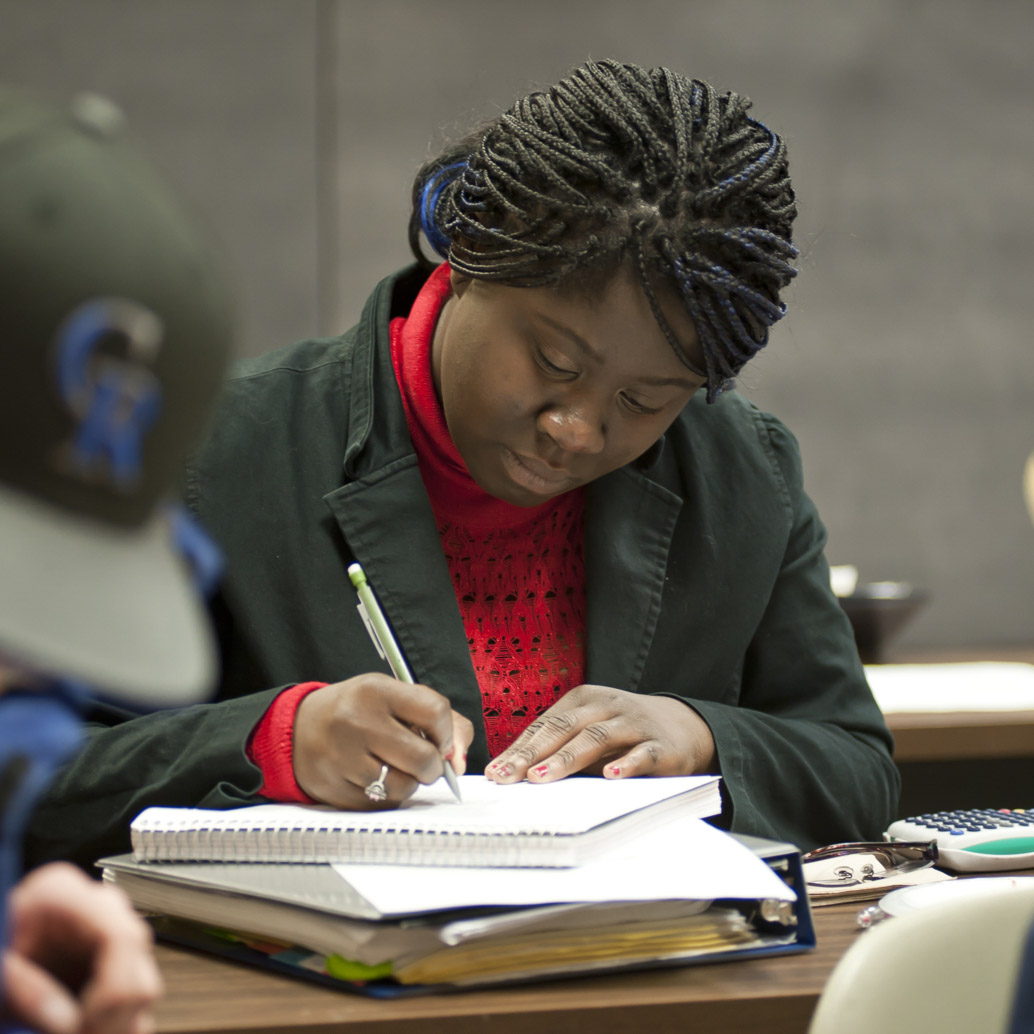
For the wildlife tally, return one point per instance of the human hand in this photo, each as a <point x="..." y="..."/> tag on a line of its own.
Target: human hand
<point x="345" y="731"/>
<point x="79" y="959"/>
<point x="622" y="734"/>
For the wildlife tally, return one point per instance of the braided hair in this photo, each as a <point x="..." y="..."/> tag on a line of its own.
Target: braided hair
<point x="620" y="164"/>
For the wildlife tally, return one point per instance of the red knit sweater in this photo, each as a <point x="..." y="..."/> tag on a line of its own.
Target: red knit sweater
<point x="518" y="572"/>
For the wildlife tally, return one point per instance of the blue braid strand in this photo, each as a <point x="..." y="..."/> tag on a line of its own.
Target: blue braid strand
<point x="429" y="202"/>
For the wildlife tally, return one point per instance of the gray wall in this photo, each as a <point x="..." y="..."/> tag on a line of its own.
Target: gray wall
<point x="905" y="366"/>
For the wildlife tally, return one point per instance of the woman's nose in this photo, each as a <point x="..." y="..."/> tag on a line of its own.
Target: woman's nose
<point x="573" y="428"/>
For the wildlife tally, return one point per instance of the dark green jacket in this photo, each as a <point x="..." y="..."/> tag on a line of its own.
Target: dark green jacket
<point x="705" y="580"/>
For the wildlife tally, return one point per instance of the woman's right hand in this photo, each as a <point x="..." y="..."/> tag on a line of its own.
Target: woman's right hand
<point x="345" y="731"/>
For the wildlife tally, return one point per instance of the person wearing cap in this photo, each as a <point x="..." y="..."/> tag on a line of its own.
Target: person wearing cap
<point x="114" y="334"/>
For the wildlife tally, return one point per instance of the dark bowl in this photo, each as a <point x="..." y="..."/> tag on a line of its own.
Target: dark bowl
<point x="878" y="612"/>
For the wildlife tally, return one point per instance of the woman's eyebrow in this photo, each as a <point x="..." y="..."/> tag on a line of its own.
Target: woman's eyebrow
<point x="678" y="382"/>
<point x="572" y="335"/>
<point x="584" y="346"/>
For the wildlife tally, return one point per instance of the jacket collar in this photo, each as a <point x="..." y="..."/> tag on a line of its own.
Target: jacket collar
<point x="369" y="379"/>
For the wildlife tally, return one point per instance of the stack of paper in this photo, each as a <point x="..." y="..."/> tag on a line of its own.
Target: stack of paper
<point x="672" y="889"/>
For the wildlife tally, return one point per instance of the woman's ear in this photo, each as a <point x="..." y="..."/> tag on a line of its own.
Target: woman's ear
<point x="459" y="282"/>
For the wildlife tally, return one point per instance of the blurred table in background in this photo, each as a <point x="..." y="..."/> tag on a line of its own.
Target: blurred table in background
<point x="964" y="759"/>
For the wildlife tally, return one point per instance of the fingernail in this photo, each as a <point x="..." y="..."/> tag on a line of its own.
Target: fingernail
<point x="615" y="771"/>
<point x="59" y="1014"/>
<point x="449" y="756"/>
<point x="503" y="771"/>
<point x="541" y="771"/>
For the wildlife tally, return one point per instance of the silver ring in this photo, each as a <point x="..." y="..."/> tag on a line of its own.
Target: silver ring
<point x="377" y="791"/>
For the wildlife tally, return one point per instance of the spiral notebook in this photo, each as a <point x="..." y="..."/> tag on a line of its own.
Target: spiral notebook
<point x="553" y="825"/>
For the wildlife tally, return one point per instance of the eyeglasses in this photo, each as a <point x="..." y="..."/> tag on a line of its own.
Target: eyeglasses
<point x="894" y="857"/>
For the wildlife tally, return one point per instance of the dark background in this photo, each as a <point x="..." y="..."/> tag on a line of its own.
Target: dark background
<point x="905" y="367"/>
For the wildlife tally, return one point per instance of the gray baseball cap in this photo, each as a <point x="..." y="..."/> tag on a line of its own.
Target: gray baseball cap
<point x="115" y="330"/>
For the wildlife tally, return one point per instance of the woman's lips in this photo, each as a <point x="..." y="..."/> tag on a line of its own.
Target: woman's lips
<point x="534" y="475"/>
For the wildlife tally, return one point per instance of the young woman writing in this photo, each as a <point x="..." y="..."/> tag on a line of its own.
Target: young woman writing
<point x="595" y="556"/>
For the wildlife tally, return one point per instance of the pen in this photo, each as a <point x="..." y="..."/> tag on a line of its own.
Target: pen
<point x="387" y="646"/>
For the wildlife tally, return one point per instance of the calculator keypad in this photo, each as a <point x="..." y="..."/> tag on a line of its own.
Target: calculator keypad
<point x="957" y="823"/>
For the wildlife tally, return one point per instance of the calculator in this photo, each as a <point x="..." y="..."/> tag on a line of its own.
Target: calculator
<point x="974" y="840"/>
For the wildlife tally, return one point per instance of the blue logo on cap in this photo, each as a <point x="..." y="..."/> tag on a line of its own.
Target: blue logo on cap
<point x="115" y="399"/>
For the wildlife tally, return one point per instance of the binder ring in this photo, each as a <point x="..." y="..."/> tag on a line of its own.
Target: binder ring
<point x="377" y="791"/>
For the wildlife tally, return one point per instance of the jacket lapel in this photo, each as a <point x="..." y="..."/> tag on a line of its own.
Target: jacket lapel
<point x="629" y="523"/>
<point x="390" y="528"/>
<point x="388" y="523"/>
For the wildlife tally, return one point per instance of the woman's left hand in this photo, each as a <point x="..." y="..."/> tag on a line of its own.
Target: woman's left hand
<point x="599" y="729"/>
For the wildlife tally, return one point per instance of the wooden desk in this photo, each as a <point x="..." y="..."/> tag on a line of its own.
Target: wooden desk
<point x="774" y="996"/>
<point x="770" y="996"/>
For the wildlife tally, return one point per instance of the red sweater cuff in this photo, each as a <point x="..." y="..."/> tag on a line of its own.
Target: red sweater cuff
<point x="271" y="746"/>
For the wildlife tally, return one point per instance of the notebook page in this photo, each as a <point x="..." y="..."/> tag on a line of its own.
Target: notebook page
<point x="569" y="806"/>
<point x="686" y="858"/>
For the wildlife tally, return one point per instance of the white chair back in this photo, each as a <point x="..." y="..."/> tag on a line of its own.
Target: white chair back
<point x="953" y="969"/>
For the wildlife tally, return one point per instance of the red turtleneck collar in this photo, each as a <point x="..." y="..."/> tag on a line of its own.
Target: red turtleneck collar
<point x="454" y="494"/>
